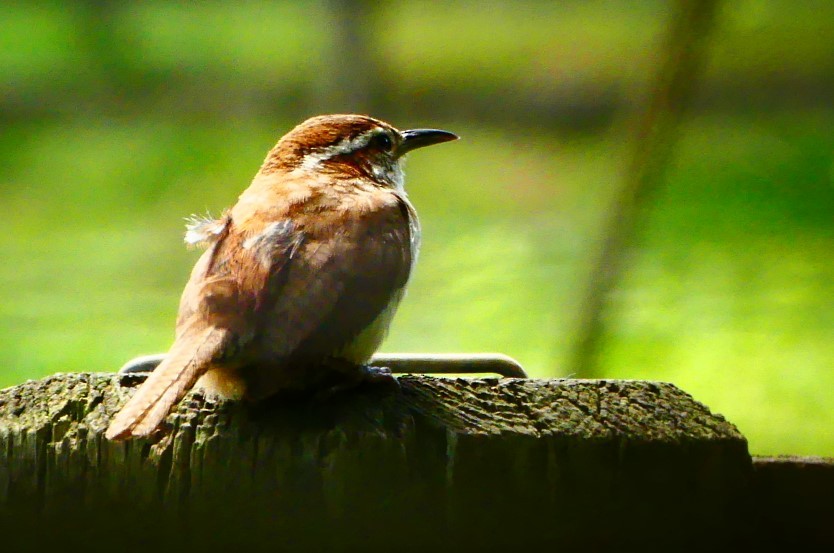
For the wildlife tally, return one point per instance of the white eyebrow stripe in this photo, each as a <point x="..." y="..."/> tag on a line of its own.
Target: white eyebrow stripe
<point x="314" y="159"/>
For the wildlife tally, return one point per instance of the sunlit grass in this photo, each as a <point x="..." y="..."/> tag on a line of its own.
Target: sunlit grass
<point x="731" y="296"/>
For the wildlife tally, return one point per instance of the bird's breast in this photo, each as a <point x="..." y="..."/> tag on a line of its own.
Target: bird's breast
<point x="364" y="345"/>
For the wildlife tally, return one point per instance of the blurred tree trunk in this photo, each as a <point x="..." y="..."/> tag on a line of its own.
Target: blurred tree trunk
<point x="107" y="68"/>
<point x="654" y="142"/>
<point x="351" y="83"/>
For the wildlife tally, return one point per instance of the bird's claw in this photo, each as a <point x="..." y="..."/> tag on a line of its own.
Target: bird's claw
<point x="379" y="375"/>
<point x="356" y="376"/>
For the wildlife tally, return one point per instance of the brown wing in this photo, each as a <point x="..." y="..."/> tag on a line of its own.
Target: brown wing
<point x="288" y="292"/>
<point x="228" y="282"/>
<point x="337" y="283"/>
<point x="214" y="324"/>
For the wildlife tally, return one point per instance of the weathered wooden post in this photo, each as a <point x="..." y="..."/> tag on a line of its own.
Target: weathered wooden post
<point x="442" y="464"/>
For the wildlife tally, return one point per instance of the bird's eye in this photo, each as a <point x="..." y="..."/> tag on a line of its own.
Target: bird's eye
<point x="383" y="141"/>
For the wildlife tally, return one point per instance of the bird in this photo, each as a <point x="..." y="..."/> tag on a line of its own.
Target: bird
<point x="300" y="279"/>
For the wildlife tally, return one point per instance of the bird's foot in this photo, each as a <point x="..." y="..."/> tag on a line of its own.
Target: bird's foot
<point x="351" y="376"/>
<point x="378" y="376"/>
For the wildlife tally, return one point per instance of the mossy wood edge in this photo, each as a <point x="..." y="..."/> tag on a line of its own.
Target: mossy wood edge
<point x="440" y="462"/>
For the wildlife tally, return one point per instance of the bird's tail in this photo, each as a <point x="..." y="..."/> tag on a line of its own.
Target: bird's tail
<point x="190" y="357"/>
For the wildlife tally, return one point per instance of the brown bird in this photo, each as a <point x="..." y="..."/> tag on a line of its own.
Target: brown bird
<point x="301" y="278"/>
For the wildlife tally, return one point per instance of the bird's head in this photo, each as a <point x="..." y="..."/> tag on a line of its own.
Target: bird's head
<point x="355" y="145"/>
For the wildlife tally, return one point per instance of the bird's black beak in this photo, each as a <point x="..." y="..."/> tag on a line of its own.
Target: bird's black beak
<point x="417" y="138"/>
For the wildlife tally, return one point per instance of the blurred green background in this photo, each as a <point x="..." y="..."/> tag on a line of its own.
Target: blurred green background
<point x="119" y="119"/>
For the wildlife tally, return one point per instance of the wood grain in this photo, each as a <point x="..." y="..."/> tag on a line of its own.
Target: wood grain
<point x="440" y="463"/>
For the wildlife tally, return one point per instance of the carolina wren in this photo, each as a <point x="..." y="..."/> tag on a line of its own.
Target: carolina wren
<point x="300" y="278"/>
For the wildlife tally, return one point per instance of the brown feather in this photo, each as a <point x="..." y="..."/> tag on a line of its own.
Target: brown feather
<point x="187" y="360"/>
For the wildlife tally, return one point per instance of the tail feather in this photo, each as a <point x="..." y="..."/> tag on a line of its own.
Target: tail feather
<point x="190" y="357"/>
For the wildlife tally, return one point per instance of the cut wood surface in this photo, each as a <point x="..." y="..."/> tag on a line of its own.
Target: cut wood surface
<point x="450" y="464"/>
